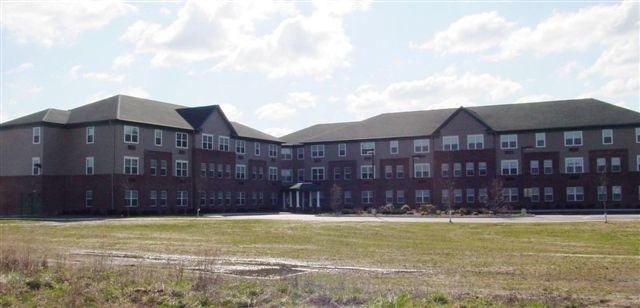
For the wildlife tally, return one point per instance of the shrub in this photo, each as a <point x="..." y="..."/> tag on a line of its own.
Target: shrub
<point x="405" y="209"/>
<point x="463" y="211"/>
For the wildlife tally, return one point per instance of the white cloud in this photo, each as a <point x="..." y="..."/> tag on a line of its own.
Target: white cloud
<point x="231" y="111"/>
<point x="533" y="98"/>
<point x="75" y="73"/>
<point x="278" y="131"/>
<point x="122" y="61"/>
<point x="136" y="91"/>
<point x="447" y="89"/>
<point x="275" y="111"/>
<point x="301" y="99"/>
<point x="58" y="23"/>
<point x="227" y="34"/>
<point x="20" y="68"/>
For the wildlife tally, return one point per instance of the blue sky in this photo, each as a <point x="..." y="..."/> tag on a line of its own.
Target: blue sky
<point x="283" y="66"/>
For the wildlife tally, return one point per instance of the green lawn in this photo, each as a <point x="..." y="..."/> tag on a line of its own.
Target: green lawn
<point x="460" y="264"/>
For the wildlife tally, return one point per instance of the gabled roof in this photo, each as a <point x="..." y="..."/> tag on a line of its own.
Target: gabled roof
<point x="312" y="132"/>
<point x="52" y="116"/>
<point x="250" y="133"/>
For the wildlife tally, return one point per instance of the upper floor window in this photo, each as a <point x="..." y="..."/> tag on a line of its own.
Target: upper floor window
<point x="607" y="136"/>
<point x="223" y="143"/>
<point x="131" y="165"/>
<point x="482" y="168"/>
<point x="36" y="135"/>
<point x="509" y="167"/>
<point x="207" y="142"/>
<point x="421" y="145"/>
<point x="548" y="166"/>
<point x="342" y="150"/>
<point x="541" y="141"/>
<point x="285" y="153"/>
<point x="573" y="138"/>
<point x="286" y="175"/>
<point x="317" y="150"/>
<point x="90" y="134"/>
<point x="450" y="143"/>
<point x="469" y="169"/>
<point x="89" y="166"/>
<point x="366" y="172"/>
<point x="182" y="168"/>
<point x="508" y="141"/>
<point x="475" y="142"/>
<point x="393" y="147"/>
<point x="367" y="148"/>
<point x="400" y="172"/>
<point x="273" y="150"/>
<point x="36" y="166"/>
<point x="256" y="148"/>
<point x="181" y="140"/>
<point x="157" y="136"/>
<point x="573" y="165"/>
<point x="421" y="170"/>
<point x="616" y="165"/>
<point x="457" y="169"/>
<point x="637" y="134"/>
<point x="273" y="173"/>
<point x="241" y="172"/>
<point x="240" y="147"/>
<point x="601" y="165"/>
<point x="534" y="167"/>
<point x="317" y="173"/>
<point x="131" y="134"/>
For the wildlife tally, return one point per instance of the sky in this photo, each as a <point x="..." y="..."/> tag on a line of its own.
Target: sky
<point x="283" y="66"/>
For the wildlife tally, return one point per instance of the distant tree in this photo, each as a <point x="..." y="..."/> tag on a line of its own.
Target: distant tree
<point x="496" y="200"/>
<point x="336" y="198"/>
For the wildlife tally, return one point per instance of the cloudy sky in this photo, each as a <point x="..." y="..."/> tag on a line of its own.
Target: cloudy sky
<point x="283" y="66"/>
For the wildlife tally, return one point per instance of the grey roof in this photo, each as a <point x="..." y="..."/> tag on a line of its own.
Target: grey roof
<point x="53" y="116"/>
<point x="499" y="118"/>
<point x="250" y="133"/>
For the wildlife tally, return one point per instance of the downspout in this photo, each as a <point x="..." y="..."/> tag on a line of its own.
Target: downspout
<point x="113" y="164"/>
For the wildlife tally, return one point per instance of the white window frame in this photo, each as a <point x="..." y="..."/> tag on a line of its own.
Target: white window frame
<point x="88" y="198"/>
<point x="607" y="136"/>
<point x="342" y="150"/>
<point x="36" y="166"/>
<point x="182" y="140"/>
<point x="535" y="194"/>
<point x="157" y="137"/>
<point x="469" y="169"/>
<point x="394" y="147"/>
<point x="90" y="134"/>
<point x="534" y="167"/>
<point x="575" y="193"/>
<point x="182" y="198"/>
<point x="367" y="147"/>
<point x="223" y="143"/>
<point x="637" y="134"/>
<point x="163" y="198"/>
<point x="616" y="164"/>
<point x="273" y="173"/>
<point x="317" y="174"/>
<point x="367" y="197"/>
<point x="153" y="198"/>
<point x="207" y="142"/>
<point x="181" y="168"/>
<point x="573" y="138"/>
<point x="601" y="164"/>
<point x="399" y="171"/>
<point x="131" y="198"/>
<point x="241" y="147"/>
<point x="475" y="142"/>
<point x="300" y="153"/>
<point x="541" y="140"/>
<point x="317" y="150"/>
<point x="511" y="167"/>
<point x="133" y="163"/>
<point x="508" y="141"/>
<point x="273" y="150"/>
<point x="286" y="175"/>
<point x="450" y="143"/>
<point x="601" y="192"/>
<point x="457" y="170"/>
<point x="36" y="135"/>
<point x="548" y="194"/>
<point x="616" y="193"/>
<point x="638" y="163"/>
<point x="421" y="146"/>
<point x="366" y="172"/>
<point x="421" y="170"/>
<point x="256" y="148"/>
<point x="423" y="196"/>
<point x="132" y="133"/>
<point x="510" y="194"/>
<point x="388" y="196"/>
<point x="286" y="153"/>
<point x="241" y="172"/>
<point x="89" y="166"/>
<point x="547" y="166"/>
<point x="470" y="195"/>
<point x="573" y="165"/>
<point x="482" y="168"/>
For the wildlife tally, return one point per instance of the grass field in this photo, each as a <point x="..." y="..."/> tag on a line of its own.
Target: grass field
<point x="195" y="262"/>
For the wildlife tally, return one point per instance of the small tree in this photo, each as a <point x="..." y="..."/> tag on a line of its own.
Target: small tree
<point x="336" y="198"/>
<point x="496" y="200"/>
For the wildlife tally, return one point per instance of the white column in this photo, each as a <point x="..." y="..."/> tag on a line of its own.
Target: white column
<point x="297" y="198"/>
<point x="284" y="200"/>
<point x="290" y="198"/>
<point x="318" y="199"/>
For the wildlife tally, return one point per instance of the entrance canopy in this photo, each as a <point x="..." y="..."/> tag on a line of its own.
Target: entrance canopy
<point x="300" y="195"/>
<point x="305" y="187"/>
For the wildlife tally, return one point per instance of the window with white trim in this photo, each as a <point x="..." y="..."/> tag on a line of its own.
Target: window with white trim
<point x="157" y="137"/>
<point x="547" y="166"/>
<point x="548" y="194"/>
<point x="616" y="164"/>
<point x="90" y="134"/>
<point x="273" y="173"/>
<point x="444" y="170"/>
<point x="575" y="193"/>
<point x="256" y="148"/>
<point x="367" y="148"/>
<point x="153" y="198"/>
<point x="541" y="140"/>
<point x="347" y="173"/>
<point x="348" y="197"/>
<point x="388" y="171"/>
<point x="475" y="142"/>
<point x="573" y="138"/>
<point x="602" y="193"/>
<point x="421" y="170"/>
<point x="638" y="163"/>
<point x="163" y="167"/>
<point x="240" y="198"/>
<point x="573" y="165"/>
<point x="483" y="195"/>
<point x="535" y="194"/>
<point x="273" y="151"/>
<point x="508" y="142"/>
<point x="423" y="196"/>
<point x="163" y="198"/>
<point x="131" y="165"/>
<point x="286" y="153"/>
<point x="450" y="143"/>
<point x="88" y="198"/>
<point x="36" y="135"/>
<point x="637" y="134"/>
<point x="241" y="172"/>
<point x="366" y="172"/>
<point x="457" y="196"/>
<point x="601" y="165"/>
<point x="607" y="136"/>
<point x="457" y="169"/>
<point x="317" y="150"/>
<point x="534" y="167"/>
<point x="131" y="134"/>
<point x="388" y="196"/>
<point x="366" y="197"/>
<point x="241" y="147"/>
<point x="471" y="195"/>
<point x="300" y="153"/>
<point x="393" y="147"/>
<point x="444" y="197"/>
<point x="509" y="167"/>
<point x="203" y="198"/>
<point x="469" y="168"/>
<point x="223" y="143"/>
<point x="207" y="141"/>
<point x="181" y="140"/>
<point x="89" y="165"/>
<point x="616" y="193"/>
<point x="510" y="194"/>
<point x="342" y="150"/>
<point x="130" y="198"/>
<point x="286" y="175"/>
<point x="420" y="145"/>
<point x="399" y="171"/>
<point x="482" y="168"/>
<point x="400" y="196"/>
<point x="182" y="168"/>
<point x="182" y="198"/>
<point x="203" y="170"/>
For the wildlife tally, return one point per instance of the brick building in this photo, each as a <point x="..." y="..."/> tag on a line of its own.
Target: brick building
<point x="131" y="155"/>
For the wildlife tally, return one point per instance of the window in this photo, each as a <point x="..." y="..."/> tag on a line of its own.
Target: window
<point x="153" y="198"/>
<point x="388" y="172"/>
<point x="181" y="140"/>
<point x="421" y="145"/>
<point x="273" y="173"/>
<point x="182" y="168"/>
<point x="482" y="168"/>
<point x="400" y="196"/>
<point x="616" y="193"/>
<point x="616" y="165"/>
<point x="286" y="175"/>
<point x="469" y="169"/>
<point x="203" y="198"/>
<point x="573" y="165"/>
<point x="163" y="167"/>
<point x="88" y="198"/>
<point x="475" y="142"/>
<point x="182" y="198"/>
<point x="163" y="198"/>
<point x="366" y="172"/>
<point x="131" y="134"/>
<point x="444" y="170"/>
<point x="89" y="166"/>
<point x="220" y="198"/>
<point x="367" y="148"/>
<point x="637" y="134"/>
<point x="535" y="194"/>
<point x="457" y="169"/>
<point x="260" y="173"/>
<point x="227" y="171"/>
<point x="601" y="165"/>
<point x="575" y="193"/>
<point x="157" y="137"/>
<point x="348" y="198"/>
<point x="508" y="142"/>
<point x="548" y="166"/>
<point x="300" y="175"/>
<point x="602" y="193"/>
<point x="457" y="196"/>
<point x="90" y="134"/>
<point x="212" y="170"/>
<point x="573" y="138"/>
<point x="510" y="194"/>
<point x="300" y="153"/>
<point x="388" y="196"/>
<point x="445" y="196"/>
<point x="399" y="172"/>
<point x="534" y="167"/>
<point x="207" y="142"/>
<point x="347" y="173"/>
<point x="607" y="136"/>
<point x="131" y="165"/>
<point x="317" y="151"/>
<point x="421" y="170"/>
<point x="638" y="163"/>
<point x="130" y="198"/>
<point x="342" y="149"/>
<point x="541" y="141"/>
<point x="241" y="147"/>
<point x="256" y="148"/>
<point x="273" y="151"/>
<point x="471" y="195"/>
<point x="241" y="172"/>
<point x="223" y="143"/>
<point x="509" y="167"/>
<point x="450" y="143"/>
<point x="286" y="154"/>
<point x="203" y="170"/>
<point x="393" y="147"/>
<point x="36" y="135"/>
<point x="367" y="197"/>
<point x="483" y="197"/>
<point x="240" y="198"/>
<point x="423" y="196"/>
<point x="227" y="197"/>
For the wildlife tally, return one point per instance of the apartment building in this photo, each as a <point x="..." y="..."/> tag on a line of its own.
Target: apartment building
<point x="125" y="155"/>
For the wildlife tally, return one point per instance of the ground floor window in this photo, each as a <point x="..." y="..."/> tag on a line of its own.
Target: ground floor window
<point x="130" y="198"/>
<point x="616" y="193"/>
<point x="575" y="193"/>
<point x="510" y="194"/>
<point x="182" y="198"/>
<point x="548" y="194"/>
<point x="153" y="198"/>
<point x="423" y="196"/>
<point x="88" y="198"/>
<point x="367" y="197"/>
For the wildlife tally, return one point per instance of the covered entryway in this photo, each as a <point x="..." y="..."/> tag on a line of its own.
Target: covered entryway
<point x="301" y="197"/>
